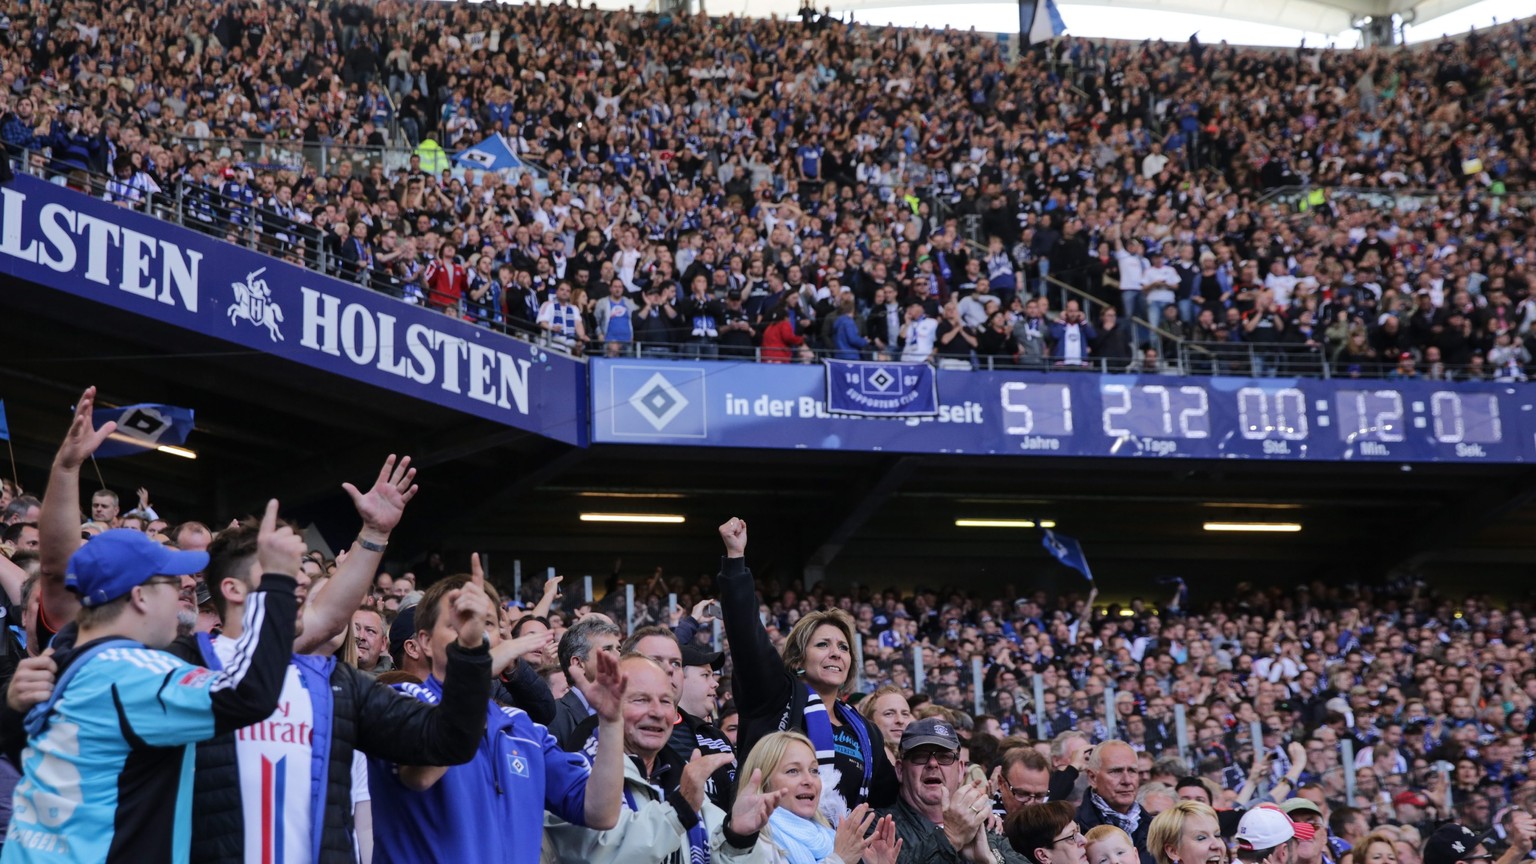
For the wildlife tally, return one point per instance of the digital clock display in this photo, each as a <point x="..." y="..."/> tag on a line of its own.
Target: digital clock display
<point x="1155" y="411"/>
<point x="1465" y="418"/>
<point x="1027" y="412"/>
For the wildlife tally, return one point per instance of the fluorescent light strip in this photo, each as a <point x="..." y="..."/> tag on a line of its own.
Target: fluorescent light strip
<point x="643" y="518"/>
<point x="1002" y="523"/>
<point x="1255" y="527"/>
<point x="177" y="451"/>
<point x="629" y="495"/>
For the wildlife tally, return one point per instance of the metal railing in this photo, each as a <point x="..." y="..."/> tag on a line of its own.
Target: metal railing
<point x="296" y="155"/>
<point x="1298" y="199"/>
<point x="808" y="355"/>
<point x="277" y="234"/>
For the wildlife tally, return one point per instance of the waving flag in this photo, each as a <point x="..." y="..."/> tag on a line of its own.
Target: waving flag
<point x="1039" y="21"/>
<point x="492" y="154"/>
<point x="141" y="428"/>
<point x="1068" y="551"/>
<point x="5" y="427"/>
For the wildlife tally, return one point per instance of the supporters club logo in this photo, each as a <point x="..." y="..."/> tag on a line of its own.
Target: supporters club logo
<point x="253" y="303"/>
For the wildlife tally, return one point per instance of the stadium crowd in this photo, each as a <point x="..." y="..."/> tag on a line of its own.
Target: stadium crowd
<point x="183" y="694"/>
<point x="725" y="186"/>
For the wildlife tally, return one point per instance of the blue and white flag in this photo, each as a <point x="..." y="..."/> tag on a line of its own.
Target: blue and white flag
<point x="881" y="389"/>
<point x="492" y="154"/>
<point x="1040" y="21"/>
<point x="5" y="426"/>
<point x="141" y="428"/>
<point x="1068" y="551"/>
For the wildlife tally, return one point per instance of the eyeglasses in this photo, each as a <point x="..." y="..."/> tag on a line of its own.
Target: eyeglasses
<point x="1024" y="796"/>
<point x="1076" y="836"/>
<point x="923" y="757"/>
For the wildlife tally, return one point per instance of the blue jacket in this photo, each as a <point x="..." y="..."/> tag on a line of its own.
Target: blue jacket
<point x="107" y="773"/>
<point x="846" y="341"/>
<point x="488" y="810"/>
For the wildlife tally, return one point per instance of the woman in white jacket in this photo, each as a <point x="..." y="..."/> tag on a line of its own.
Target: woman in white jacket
<point x="776" y="817"/>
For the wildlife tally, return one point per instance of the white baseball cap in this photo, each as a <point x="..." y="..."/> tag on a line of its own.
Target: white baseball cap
<point x="1264" y="827"/>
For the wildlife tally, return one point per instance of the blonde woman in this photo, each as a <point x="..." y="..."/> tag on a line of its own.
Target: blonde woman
<point x="776" y="818"/>
<point x="1186" y="833"/>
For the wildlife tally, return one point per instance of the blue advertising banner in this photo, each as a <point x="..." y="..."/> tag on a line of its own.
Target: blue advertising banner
<point x="783" y="406"/>
<point x="870" y="389"/>
<point x="67" y="241"/>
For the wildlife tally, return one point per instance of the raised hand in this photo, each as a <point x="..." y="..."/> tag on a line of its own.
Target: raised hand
<point x="853" y="835"/>
<point x="471" y="606"/>
<point x="382" y="506"/>
<point x="885" y="845"/>
<point x="32" y="683"/>
<point x="143" y="498"/>
<point x="734" y="533"/>
<point x="752" y="808"/>
<point x="696" y="772"/>
<point x="552" y="585"/>
<point x="964" y="812"/>
<point x="508" y="651"/>
<point x="607" y="694"/>
<point x="278" y="549"/>
<point x="82" y="439"/>
<point x="699" y="614"/>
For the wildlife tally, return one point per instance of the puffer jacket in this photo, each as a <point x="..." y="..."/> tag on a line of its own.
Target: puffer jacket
<point x="397" y="728"/>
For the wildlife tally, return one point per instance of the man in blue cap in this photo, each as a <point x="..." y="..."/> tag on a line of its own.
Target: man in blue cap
<point x="107" y="749"/>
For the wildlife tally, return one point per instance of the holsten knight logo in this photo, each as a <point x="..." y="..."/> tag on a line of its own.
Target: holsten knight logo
<point x="89" y="248"/>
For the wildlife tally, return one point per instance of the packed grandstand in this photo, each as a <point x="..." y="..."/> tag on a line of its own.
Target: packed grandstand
<point x="782" y="191"/>
<point x="727" y="186"/>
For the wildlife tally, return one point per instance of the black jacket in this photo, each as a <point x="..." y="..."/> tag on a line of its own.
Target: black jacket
<point x="570" y="711"/>
<point x="766" y="694"/>
<point x="366" y="716"/>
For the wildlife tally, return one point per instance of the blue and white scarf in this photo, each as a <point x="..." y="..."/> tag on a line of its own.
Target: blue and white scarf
<point x="698" y="838"/>
<point x="803" y="840"/>
<point x="818" y="728"/>
<point x="1127" y="822"/>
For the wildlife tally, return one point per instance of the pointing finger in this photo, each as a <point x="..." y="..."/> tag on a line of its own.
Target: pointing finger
<point x="269" y="518"/>
<point x="476" y="572"/>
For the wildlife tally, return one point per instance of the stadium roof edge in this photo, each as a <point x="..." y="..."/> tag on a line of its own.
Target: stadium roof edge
<point x="1317" y="16"/>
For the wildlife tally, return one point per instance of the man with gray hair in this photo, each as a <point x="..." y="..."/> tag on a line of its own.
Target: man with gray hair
<point x="593" y="633"/>
<point x="1111" y="798"/>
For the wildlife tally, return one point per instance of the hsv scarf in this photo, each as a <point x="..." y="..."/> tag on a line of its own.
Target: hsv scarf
<point x="818" y="728"/>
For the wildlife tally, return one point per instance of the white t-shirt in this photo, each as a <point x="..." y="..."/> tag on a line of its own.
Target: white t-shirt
<point x="1282" y="286"/>
<point x="1133" y="270"/>
<point x="920" y="336"/>
<point x="1168" y="276"/>
<point x="273" y="756"/>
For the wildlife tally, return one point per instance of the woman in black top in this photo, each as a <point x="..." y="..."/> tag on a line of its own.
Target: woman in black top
<point x="801" y="691"/>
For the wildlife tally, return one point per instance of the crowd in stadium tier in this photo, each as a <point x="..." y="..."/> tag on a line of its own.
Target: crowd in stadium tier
<point x="723" y="185"/>
<point x="422" y="717"/>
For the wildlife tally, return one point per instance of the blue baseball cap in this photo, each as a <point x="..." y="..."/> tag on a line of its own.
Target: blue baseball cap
<point x="110" y="564"/>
